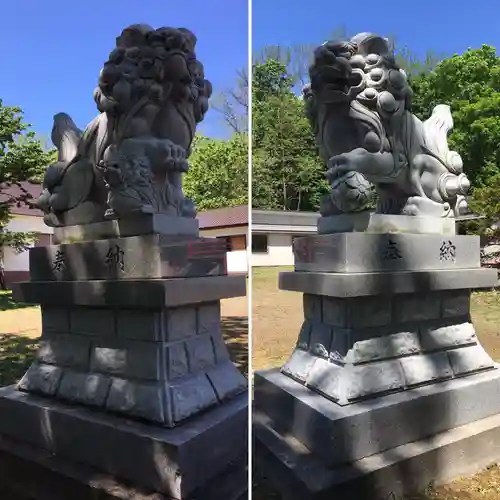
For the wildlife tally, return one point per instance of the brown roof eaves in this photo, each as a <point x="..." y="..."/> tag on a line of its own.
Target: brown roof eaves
<point x="208" y="219"/>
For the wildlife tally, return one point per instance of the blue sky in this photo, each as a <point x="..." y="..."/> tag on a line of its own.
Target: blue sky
<point x="446" y="27"/>
<point x="53" y="50"/>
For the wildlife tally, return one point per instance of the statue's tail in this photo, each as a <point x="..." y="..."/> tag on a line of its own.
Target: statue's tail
<point x="96" y="137"/>
<point x="65" y="136"/>
<point x="436" y="130"/>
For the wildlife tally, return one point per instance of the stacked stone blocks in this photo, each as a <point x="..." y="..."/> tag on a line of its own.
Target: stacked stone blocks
<point x="161" y="365"/>
<point x="161" y="360"/>
<point x="350" y="349"/>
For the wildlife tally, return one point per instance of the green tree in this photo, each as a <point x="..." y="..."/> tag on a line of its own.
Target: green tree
<point x="287" y="173"/>
<point x="470" y="85"/>
<point x="22" y="158"/>
<point x="218" y="173"/>
<point x="486" y="201"/>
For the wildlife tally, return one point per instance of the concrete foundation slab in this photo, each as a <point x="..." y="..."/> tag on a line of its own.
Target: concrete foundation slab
<point x="28" y="473"/>
<point x="343" y="434"/>
<point x="130" y="293"/>
<point x="387" y="283"/>
<point x="404" y="470"/>
<point x="174" y="462"/>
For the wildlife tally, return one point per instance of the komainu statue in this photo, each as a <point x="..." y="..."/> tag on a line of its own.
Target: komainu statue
<point x="358" y="102"/>
<point x="131" y="158"/>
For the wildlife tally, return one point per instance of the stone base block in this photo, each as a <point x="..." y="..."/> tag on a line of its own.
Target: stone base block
<point x="387" y="283"/>
<point x="138" y="294"/>
<point x="339" y="435"/>
<point x="403" y="470"/>
<point x="365" y="252"/>
<point x="140" y="224"/>
<point x="27" y="473"/>
<point x="179" y="463"/>
<point x="135" y="257"/>
<point x="383" y="223"/>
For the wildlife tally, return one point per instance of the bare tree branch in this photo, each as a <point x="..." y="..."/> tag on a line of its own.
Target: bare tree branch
<point x="232" y="103"/>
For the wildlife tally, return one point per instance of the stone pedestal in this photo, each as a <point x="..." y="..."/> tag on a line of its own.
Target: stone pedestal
<point x="387" y="373"/>
<point x="132" y="378"/>
<point x="384" y="223"/>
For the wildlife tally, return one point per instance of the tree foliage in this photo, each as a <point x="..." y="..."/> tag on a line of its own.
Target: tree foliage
<point x="470" y="85"/>
<point x="22" y="158"/>
<point x="486" y="201"/>
<point x="218" y="174"/>
<point x="286" y="171"/>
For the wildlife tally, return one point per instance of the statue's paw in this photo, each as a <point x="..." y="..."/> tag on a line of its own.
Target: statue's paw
<point x="54" y="174"/>
<point x="178" y="152"/>
<point x="125" y="209"/>
<point x="419" y="206"/>
<point x="336" y="169"/>
<point x="357" y="160"/>
<point x="52" y="220"/>
<point x="181" y="165"/>
<point x="59" y="201"/>
<point x="42" y="202"/>
<point x="177" y="158"/>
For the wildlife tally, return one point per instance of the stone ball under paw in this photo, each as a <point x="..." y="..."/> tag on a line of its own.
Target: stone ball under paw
<point x="351" y="192"/>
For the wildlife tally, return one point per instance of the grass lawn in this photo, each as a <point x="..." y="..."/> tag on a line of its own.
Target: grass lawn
<point x="276" y="319"/>
<point x="7" y="303"/>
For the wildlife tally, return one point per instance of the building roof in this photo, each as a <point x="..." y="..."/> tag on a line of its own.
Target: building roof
<point x="208" y="219"/>
<point x="223" y="217"/>
<point x="273" y="221"/>
<point x="284" y="218"/>
<point x="32" y="188"/>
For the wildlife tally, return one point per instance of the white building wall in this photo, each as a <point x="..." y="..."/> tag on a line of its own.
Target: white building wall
<point x="237" y="260"/>
<point x="279" y="251"/>
<point x="22" y="223"/>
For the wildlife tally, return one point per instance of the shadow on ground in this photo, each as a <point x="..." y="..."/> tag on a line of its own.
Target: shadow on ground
<point x="235" y="331"/>
<point x="16" y="355"/>
<point x="7" y="302"/>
